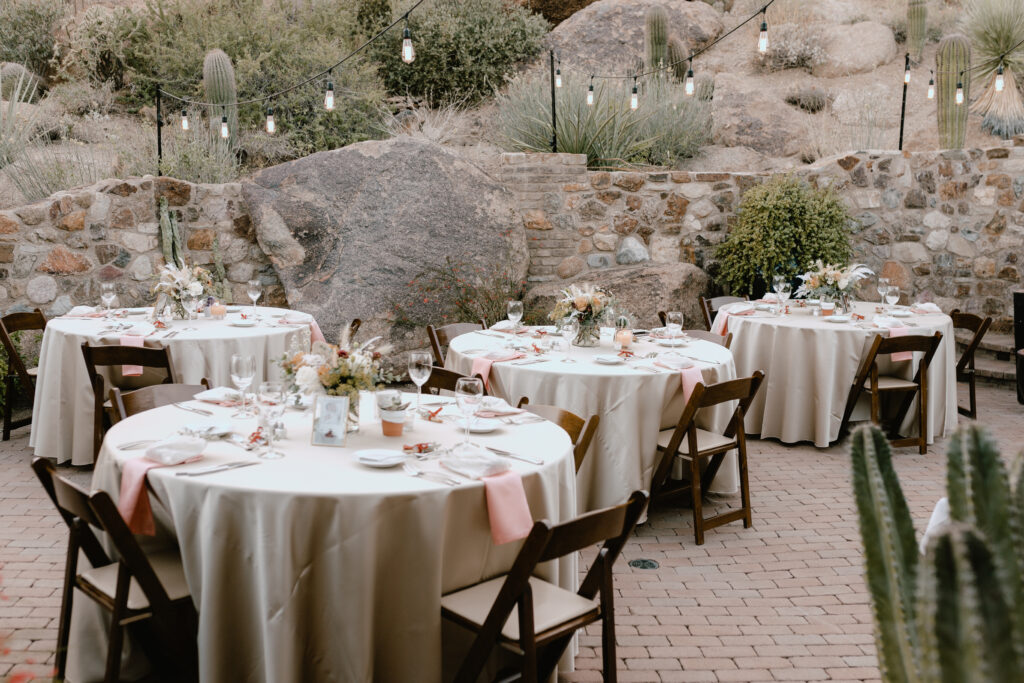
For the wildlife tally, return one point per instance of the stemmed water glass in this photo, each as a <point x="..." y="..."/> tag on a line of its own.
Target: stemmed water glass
<point x="270" y="403"/>
<point x="570" y="328"/>
<point x="254" y="290"/>
<point x="674" y="324"/>
<point x="892" y="296"/>
<point x="243" y="370"/>
<point x="777" y="282"/>
<point x="515" y="313"/>
<point x="883" y="287"/>
<point x="783" y="290"/>
<point x="420" y="366"/>
<point x="469" y="394"/>
<point x="107" y="295"/>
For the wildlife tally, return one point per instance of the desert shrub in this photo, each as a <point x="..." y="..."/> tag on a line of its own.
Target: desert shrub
<point x="11" y="74"/>
<point x="783" y="226"/>
<point x="373" y="15"/>
<point x="555" y="11"/>
<point x="17" y="122"/>
<point x="678" y="124"/>
<point x="27" y="29"/>
<point x="442" y="125"/>
<point x="257" y="149"/>
<point x="793" y="46"/>
<point x="198" y="155"/>
<point x="996" y="28"/>
<point x="465" y="49"/>
<point x="48" y="168"/>
<point x="811" y="99"/>
<point x="80" y="98"/>
<point x="106" y="45"/>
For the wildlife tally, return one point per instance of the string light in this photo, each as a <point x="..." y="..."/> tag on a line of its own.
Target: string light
<point x="184" y="120"/>
<point x="590" y="93"/>
<point x="959" y="92"/>
<point x="906" y="70"/>
<point x="271" y="124"/>
<point x="634" y="99"/>
<point x="1000" y="83"/>
<point x="762" y="37"/>
<point x="558" y="78"/>
<point x="224" y="132"/>
<point x="689" y="79"/>
<point x="329" y="95"/>
<point x="931" y="88"/>
<point x="408" y="51"/>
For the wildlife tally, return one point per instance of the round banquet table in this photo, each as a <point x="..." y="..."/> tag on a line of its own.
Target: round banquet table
<point x="62" y="414"/>
<point x="634" y="405"/>
<point x="810" y="363"/>
<point x="313" y="567"/>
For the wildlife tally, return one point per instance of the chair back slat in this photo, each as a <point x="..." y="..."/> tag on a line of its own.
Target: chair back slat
<point x="731" y="390"/>
<point x="572" y="423"/>
<point x="128" y="403"/>
<point x="445" y="380"/>
<point x="725" y="341"/>
<point x="975" y="324"/>
<point x="586" y="530"/>
<point x="441" y="336"/>
<point x="20" y="322"/>
<point x="115" y="354"/>
<point x="916" y="343"/>
<point x="73" y="507"/>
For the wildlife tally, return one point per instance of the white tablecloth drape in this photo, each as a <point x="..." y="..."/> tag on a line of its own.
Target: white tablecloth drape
<point x="634" y="406"/>
<point x="62" y="415"/>
<point x="809" y="365"/>
<point x="316" y="568"/>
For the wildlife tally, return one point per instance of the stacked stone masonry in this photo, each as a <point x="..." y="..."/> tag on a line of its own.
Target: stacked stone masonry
<point x="945" y="226"/>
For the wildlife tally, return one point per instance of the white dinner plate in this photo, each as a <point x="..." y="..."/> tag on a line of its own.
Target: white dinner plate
<point x="900" y="313"/>
<point x="670" y="342"/>
<point x="242" y="323"/>
<point x="480" y="425"/>
<point x="837" y="318"/>
<point x="381" y="458"/>
<point x="764" y="307"/>
<point x="607" y="360"/>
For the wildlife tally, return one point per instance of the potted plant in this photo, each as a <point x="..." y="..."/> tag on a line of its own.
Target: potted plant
<point x="784" y="226"/>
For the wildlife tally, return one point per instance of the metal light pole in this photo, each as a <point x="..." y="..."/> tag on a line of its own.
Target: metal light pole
<point x="159" y="132"/>
<point x="554" y="117"/>
<point x="906" y="82"/>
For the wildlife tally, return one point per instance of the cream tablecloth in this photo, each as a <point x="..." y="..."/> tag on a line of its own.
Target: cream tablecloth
<point x="316" y="568"/>
<point x="809" y="366"/>
<point x="62" y="415"/>
<point x="634" y="406"/>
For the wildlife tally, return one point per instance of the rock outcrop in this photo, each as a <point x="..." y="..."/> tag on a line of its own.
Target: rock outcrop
<point x="747" y="114"/>
<point x="856" y="48"/>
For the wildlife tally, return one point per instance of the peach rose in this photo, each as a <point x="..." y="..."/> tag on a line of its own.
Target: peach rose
<point x="581" y="302"/>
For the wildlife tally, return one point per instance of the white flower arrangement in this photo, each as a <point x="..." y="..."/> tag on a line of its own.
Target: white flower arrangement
<point x="176" y="284"/>
<point x="827" y="279"/>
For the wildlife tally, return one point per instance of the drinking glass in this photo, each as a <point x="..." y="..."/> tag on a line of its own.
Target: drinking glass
<point x="883" y="287"/>
<point x="892" y="296"/>
<point x="270" y="403"/>
<point x="674" y="324"/>
<point x="515" y="313"/>
<point x="254" y="290"/>
<point x="783" y="291"/>
<point x="420" y="365"/>
<point x="107" y="295"/>
<point x="570" y="328"/>
<point x="243" y="370"/>
<point x="469" y="393"/>
<point x="777" y="283"/>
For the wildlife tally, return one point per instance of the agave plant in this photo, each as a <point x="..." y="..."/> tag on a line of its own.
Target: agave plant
<point x="17" y="123"/>
<point x="995" y="27"/>
<point x="956" y="612"/>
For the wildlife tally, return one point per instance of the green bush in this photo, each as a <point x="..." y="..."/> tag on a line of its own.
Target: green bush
<point x="784" y="225"/>
<point x="465" y="49"/>
<point x="107" y="45"/>
<point x="198" y="155"/>
<point x="27" y="29"/>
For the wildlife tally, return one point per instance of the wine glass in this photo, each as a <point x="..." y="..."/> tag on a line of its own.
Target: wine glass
<point x="469" y="393"/>
<point x="783" y="291"/>
<point x="883" y="287"/>
<point x="892" y="296"/>
<point x="254" y="290"/>
<point x="570" y="328"/>
<point x="107" y="295"/>
<point x="674" y="324"/>
<point x="420" y="365"/>
<point x="243" y="370"/>
<point x="515" y="313"/>
<point x="270" y="403"/>
<point x="777" y="282"/>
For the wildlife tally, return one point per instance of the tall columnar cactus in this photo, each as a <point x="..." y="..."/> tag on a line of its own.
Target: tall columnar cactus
<point x="219" y="84"/>
<point x="952" y="69"/>
<point x="170" y="237"/>
<point x="704" y="88"/>
<point x="954" y="613"/>
<point x="677" y="55"/>
<point x="656" y="39"/>
<point x="917" y="18"/>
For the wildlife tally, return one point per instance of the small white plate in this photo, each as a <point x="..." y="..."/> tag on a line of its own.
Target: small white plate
<point x="764" y="307"/>
<point x="900" y="313"/>
<point x="380" y="458"/>
<point x="608" y="360"/>
<point x="480" y="425"/>
<point x="234" y="309"/>
<point x="670" y="342"/>
<point x="837" y="318"/>
<point x="242" y="323"/>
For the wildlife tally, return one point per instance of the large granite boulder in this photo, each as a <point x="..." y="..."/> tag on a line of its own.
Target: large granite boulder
<point x="641" y="291"/>
<point x="746" y="113"/>
<point x="855" y="48"/>
<point x="347" y="230"/>
<point x="609" y="34"/>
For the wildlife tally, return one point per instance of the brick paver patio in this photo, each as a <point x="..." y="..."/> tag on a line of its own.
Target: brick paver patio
<point x="783" y="601"/>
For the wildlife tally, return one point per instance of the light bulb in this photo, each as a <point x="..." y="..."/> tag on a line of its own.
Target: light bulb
<point x="634" y="100"/>
<point x="959" y="93"/>
<point x="762" y="38"/>
<point x="590" y="95"/>
<point x="906" y="76"/>
<point x="558" y="78"/>
<point x="931" y="88"/>
<point x="689" y="82"/>
<point x="184" y="120"/>
<point x="271" y="124"/>
<point x="329" y="96"/>
<point x="408" y="52"/>
<point x="1000" y="83"/>
<point x="224" y="132"/>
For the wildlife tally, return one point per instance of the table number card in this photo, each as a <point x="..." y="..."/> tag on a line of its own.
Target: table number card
<point x="330" y="414"/>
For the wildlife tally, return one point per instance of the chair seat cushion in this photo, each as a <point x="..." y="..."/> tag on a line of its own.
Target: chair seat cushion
<point x="551" y="605"/>
<point x="885" y="382"/>
<point x="169" y="571"/>
<point x="705" y="440"/>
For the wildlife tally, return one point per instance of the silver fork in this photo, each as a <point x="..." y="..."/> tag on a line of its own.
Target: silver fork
<point x="435" y="477"/>
<point x="198" y="411"/>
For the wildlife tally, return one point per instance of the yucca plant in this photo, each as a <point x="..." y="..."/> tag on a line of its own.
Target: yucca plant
<point x="17" y="123"/>
<point x="954" y="614"/>
<point x="994" y="27"/>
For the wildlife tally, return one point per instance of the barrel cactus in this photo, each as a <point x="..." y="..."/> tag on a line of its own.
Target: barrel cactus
<point x="917" y="17"/>
<point x="952" y="73"/>
<point x="219" y="84"/>
<point x="656" y="38"/>
<point x="955" y="612"/>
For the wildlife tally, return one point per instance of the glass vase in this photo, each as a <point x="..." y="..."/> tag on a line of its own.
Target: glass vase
<point x="352" y="423"/>
<point x="588" y="336"/>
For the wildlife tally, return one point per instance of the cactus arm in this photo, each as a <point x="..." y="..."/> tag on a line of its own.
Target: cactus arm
<point x="656" y="37"/>
<point x="676" y="56"/>
<point x="952" y="58"/>
<point x="917" y="17"/>
<point x="890" y="554"/>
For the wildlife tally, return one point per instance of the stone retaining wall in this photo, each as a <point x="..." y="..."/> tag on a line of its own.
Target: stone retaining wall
<point x="946" y="226"/>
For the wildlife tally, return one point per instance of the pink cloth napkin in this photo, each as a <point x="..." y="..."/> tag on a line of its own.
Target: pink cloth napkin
<point x="691" y="376"/>
<point x="133" y="503"/>
<point x="721" y="324"/>
<point x="507" y="508"/>
<point x="314" y="332"/>
<point x="131" y="340"/>
<point x="482" y="365"/>
<point x="902" y="355"/>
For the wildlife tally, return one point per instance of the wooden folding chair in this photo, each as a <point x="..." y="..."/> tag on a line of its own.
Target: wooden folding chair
<point x="444" y="380"/>
<point x="709" y="307"/>
<point x="17" y="373"/>
<point x="725" y="341"/>
<point x="137" y="589"/>
<point x="128" y="403"/>
<point x="888" y="384"/>
<point x="441" y="337"/>
<point x="581" y="432"/>
<point x="536" y="619"/>
<point x="965" y="366"/>
<point x="690" y="442"/>
<point x="115" y="355"/>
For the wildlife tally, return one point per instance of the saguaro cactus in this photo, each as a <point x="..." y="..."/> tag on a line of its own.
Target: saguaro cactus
<point x="917" y="18"/>
<point x="656" y="42"/>
<point x="219" y="84"/>
<point x="677" y="55"/>
<point x="952" y="72"/>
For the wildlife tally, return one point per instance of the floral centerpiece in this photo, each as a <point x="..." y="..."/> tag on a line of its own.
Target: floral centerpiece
<point x="344" y="369"/>
<point x="179" y="287"/>
<point x="830" y="281"/>
<point x="589" y="305"/>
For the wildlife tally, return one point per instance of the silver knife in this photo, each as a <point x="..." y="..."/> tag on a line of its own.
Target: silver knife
<point x="514" y="456"/>
<point x="198" y="411"/>
<point x="217" y="468"/>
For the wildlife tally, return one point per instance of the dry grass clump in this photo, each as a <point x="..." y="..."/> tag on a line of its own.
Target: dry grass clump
<point x="859" y="122"/>
<point x="809" y="98"/>
<point x="795" y="38"/>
